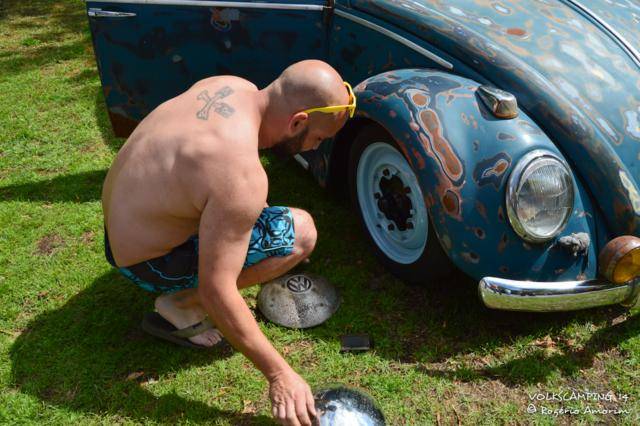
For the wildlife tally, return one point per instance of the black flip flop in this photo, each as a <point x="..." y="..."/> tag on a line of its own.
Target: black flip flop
<point x="154" y="324"/>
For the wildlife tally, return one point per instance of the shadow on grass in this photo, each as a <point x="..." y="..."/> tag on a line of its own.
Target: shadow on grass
<point x="89" y="81"/>
<point x="79" y="187"/>
<point x="431" y="325"/>
<point x="536" y="367"/>
<point x="80" y="355"/>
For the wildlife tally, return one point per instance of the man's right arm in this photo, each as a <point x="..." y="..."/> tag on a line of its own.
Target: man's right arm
<point x="224" y="233"/>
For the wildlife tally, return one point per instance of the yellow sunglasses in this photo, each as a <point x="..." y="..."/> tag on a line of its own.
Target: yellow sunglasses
<point x="337" y="108"/>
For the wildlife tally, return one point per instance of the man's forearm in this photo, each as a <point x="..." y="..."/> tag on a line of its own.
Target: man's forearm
<point x="231" y="315"/>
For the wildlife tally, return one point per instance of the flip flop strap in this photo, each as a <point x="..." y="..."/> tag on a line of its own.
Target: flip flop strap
<point x="194" y="329"/>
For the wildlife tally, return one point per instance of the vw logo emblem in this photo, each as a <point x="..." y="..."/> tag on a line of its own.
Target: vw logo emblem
<point x="299" y="283"/>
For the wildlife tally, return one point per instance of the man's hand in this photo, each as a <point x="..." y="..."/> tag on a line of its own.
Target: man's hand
<point x="291" y="399"/>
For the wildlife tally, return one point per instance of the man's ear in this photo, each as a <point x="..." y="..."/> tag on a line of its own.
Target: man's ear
<point x="298" y="121"/>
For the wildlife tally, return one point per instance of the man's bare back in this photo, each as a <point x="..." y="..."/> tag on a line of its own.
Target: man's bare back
<point x="154" y="193"/>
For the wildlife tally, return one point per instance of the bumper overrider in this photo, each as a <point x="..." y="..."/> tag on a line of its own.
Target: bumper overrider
<point x="619" y="265"/>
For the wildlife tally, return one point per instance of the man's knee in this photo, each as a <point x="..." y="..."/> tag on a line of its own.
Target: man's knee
<point x="306" y="233"/>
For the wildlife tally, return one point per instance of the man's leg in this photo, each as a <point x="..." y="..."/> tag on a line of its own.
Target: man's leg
<point x="183" y="308"/>
<point x="306" y="236"/>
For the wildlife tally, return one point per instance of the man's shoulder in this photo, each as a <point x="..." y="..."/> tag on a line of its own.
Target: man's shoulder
<point x="232" y="80"/>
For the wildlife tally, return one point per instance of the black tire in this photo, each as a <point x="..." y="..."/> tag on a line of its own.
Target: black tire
<point x="433" y="265"/>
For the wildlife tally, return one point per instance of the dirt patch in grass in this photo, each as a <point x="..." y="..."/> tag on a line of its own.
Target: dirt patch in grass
<point x="49" y="244"/>
<point x="88" y="237"/>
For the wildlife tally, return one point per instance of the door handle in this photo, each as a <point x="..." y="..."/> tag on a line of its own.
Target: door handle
<point x="99" y="13"/>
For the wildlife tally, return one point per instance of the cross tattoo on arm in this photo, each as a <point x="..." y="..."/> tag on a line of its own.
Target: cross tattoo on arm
<point x="214" y="102"/>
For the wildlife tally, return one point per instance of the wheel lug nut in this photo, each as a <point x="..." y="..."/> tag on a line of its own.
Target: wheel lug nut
<point x="385" y="172"/>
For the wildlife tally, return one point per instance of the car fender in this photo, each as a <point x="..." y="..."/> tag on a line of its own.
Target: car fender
<point x="462" y="156"/>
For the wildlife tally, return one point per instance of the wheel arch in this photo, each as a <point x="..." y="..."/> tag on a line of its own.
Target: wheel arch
<point x="341" y="146"/>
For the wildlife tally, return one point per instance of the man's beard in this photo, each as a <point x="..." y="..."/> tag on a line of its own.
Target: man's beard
<point x="290" y="146"/>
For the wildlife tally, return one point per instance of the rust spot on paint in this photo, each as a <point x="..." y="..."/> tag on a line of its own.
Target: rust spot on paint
<point x="517" y="32"/>
<point x="451" y="202"/>
<point x="506" y="137"/>
<point x="500" y="214"/>
<point x="482" y="210"/>
<point x="470" y="257"/>
<point x="504" y="269"/>
<point x="479" y="233"/>
<point x="429" y="201"/>
<point x="419" y="159"/>
<point x="503" y="243"/>
<point x="393" y="114"/>
<point x="420" y="99"/>
<point x="441" y="146"/>
<point x="122" y="126"/>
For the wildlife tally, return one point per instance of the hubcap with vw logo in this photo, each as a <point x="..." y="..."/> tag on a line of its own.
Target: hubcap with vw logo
<point x="299" y="283"/>
<point x="298" y="300"/>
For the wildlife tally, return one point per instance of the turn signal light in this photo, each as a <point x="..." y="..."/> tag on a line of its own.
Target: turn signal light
<point x="619" y="260"/>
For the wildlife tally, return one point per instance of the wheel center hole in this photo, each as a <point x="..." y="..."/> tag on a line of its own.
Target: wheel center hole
<point x="393" y="201"/>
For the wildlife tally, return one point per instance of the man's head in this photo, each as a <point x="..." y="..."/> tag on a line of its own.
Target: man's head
<point x="302" y="86"/>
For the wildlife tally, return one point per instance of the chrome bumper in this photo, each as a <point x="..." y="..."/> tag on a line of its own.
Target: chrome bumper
<point x="499" y="293"/>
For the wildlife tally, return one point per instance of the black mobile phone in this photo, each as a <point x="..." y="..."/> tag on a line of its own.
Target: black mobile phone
<point x="355" y="343"/>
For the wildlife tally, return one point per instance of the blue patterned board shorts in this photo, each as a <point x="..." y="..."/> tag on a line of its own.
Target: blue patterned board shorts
<point x="272" y="235"/>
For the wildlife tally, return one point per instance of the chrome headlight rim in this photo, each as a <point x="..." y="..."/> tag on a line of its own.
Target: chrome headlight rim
<point x="514" y="184"/>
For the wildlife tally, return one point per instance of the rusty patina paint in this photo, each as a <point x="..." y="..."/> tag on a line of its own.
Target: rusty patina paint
<point x="492" y="170"/>
<point x="166" y="48"/>
<point x="122" y="125"/>
<point x="558" y="63"/>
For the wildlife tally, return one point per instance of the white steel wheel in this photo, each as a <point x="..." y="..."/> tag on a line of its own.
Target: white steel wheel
<point x="389" y="201"/>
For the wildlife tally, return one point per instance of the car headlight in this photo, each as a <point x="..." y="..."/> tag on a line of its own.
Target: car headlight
<point x="540" y="196"/>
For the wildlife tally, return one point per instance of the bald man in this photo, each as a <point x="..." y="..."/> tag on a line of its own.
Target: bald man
<point x="186" y="214"/>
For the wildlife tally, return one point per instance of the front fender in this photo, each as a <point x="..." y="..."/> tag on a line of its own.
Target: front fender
<point x="463" y="156"/>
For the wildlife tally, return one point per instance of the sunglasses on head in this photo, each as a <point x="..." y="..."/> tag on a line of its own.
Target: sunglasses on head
<point x="337" y="108"/>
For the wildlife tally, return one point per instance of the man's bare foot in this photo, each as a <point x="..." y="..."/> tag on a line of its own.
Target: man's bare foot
<point x="181" y="318"/>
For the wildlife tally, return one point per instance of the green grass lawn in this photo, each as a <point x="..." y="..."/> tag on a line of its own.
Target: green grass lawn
<point x="71" y="350"/>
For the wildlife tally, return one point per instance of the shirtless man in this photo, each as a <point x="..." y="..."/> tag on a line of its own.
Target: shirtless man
<point x="185" y="208"/>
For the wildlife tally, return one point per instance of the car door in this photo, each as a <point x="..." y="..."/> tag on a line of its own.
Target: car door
<point x="148" y="51"/>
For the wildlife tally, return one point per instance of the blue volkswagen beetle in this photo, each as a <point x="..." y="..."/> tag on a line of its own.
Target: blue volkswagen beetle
<point x="499" y="137"/>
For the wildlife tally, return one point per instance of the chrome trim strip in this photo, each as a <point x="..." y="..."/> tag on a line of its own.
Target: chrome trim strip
<point x="99" y="13"/>
<point x="530" y="296"/>
<point x="623" y="42"/>
<point x="446" y="64"/>
<point x="233" y="4"/>
<point x="300" y="159"/>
